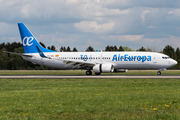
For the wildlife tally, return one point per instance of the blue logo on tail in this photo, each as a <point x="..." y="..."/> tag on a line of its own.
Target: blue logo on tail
<point x="27" y="41"/>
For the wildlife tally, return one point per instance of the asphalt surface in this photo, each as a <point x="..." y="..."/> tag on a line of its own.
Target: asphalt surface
<point x="85" y="77"/>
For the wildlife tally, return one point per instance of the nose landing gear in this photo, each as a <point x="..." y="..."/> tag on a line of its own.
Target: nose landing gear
<point x="159" y="73"/>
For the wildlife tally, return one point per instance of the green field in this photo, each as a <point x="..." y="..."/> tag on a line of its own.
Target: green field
<point x="32" y="99"/>
<point x="83" y="72"/>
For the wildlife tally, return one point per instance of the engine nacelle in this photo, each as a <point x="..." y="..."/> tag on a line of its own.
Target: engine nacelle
<point x="103" y="68"/>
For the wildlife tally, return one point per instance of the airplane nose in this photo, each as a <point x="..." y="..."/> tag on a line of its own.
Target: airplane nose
<point x="173" y="62"/>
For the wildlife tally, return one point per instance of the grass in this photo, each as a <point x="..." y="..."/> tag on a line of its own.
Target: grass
<point x="130" y="99"/>
<point x="83" y="72"/>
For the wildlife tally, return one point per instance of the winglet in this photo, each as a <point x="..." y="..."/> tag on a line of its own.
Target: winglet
<point x="40" y="52"/>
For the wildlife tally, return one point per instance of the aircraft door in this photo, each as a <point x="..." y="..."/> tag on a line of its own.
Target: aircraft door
<point x="90" y="57"/>
<point x="101" y="58"/>
<point x="42" y="60"/>
<point x="155" y="59"/>
<point x="34" y="58"/>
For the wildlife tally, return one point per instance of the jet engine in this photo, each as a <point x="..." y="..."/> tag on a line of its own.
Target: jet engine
<point x="103" y="68"/>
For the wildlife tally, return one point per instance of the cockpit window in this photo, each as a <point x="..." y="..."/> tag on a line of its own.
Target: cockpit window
<point x="165" y="57"/>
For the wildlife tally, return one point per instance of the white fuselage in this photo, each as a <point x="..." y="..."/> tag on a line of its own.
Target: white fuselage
<point x="120" y="60"/>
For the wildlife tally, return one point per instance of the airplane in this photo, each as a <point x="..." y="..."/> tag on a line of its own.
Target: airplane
<point x="98" y="62"/>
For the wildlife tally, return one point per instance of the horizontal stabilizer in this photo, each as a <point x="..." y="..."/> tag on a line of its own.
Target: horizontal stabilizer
<point x="20" y="54"/>
<point x="27" y="55"/>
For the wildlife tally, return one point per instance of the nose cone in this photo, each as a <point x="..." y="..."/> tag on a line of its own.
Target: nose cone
<point x="173" y="62"/>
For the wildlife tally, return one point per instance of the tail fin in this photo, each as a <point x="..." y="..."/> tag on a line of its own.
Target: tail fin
<point x="29" y="42"/>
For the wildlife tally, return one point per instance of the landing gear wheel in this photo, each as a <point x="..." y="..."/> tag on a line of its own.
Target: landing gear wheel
<point x="88" y="72"/>
<point x="159" y="73"/>
<point x="97" y="73"/>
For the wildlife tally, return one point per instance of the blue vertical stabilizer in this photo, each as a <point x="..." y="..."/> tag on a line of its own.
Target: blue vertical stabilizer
<point x="29" y="41"/>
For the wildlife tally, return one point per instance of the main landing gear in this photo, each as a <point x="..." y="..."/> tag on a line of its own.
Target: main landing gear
<point x="88" y="72"/>
<point x="97" y="73"/>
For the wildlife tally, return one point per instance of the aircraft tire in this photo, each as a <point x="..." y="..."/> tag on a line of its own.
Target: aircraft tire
<point x="88" y="72"/>
<point x="97" y="73"/>
<point x="159" y="73"/>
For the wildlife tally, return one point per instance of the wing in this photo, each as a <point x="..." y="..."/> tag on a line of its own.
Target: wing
<point x="78" y="64"/>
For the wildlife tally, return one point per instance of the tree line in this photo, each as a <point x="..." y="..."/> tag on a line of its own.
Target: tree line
<point x="14" y="62"/>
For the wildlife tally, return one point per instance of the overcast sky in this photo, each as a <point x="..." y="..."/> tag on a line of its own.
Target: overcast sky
<point x="81" y="23"/>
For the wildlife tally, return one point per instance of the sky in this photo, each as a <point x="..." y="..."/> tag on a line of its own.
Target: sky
<point x="96" y="23"/>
